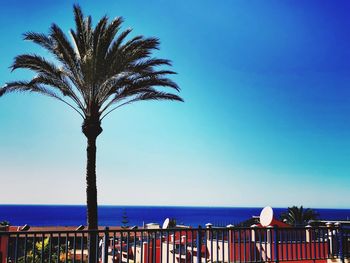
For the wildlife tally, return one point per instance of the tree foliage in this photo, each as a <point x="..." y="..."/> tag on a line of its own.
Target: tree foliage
<point x="299" y="216"/>
<point x="172" y="223"/>
<point x="125" y="220"/>
<point x="42" y="251"/>
<point x="97" y="71"/>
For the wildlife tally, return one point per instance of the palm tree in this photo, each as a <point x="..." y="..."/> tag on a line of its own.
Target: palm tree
<point x="95" y="73"/>
<point x="298" y="216"/>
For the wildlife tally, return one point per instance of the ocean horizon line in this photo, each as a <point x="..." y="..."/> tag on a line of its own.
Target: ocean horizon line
<point x="178" y="206"/>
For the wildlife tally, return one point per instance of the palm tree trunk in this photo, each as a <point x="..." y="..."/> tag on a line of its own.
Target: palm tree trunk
<point x="91" y="197"/>
<point x="91" y="189"/>
<point x="91" y="129"/>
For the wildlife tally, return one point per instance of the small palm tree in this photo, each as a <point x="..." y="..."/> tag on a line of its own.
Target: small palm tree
<point x="298" y="216"/>
<point x="95" y="73"/>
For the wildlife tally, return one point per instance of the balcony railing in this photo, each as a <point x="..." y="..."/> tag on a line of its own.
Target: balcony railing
<point x="181" y="245"/>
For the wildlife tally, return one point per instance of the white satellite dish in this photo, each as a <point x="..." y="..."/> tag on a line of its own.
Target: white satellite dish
<point x="166" y="223"/>
<point x="266" y="216"/>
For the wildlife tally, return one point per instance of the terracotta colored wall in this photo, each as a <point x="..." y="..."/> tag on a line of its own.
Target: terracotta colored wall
<point x="3" y="248"/>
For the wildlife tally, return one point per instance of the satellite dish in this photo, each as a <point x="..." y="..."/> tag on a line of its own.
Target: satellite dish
<point x="166" y="223"/>
<point x="266" y="216"/>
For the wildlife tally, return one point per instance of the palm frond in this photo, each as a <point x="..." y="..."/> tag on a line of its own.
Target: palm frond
<point x="63" y="49"/>
<point x="130" y="82"/>
<point x="149" y="64"/>
<point x="139" y="48"/>
<point x="48" y="74"/>
<point x="115" y="46"/>
<point x="98" y="63"/>
<point x="110" y="33"/>
<point x="144" y="96"/>
<point x="152" y="79"/>
<point x="62" y="85"/>
<point x="78" y="34"/>
<point x="103" y="38"/>
<point x="139" y="42"/>
<point x="36" y="63"/>
<point x="40" y="39"/>
<point x="26" y="86"/>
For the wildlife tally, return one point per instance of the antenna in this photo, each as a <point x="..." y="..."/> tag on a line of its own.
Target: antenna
<point x="81" y="227"/>
<point x="24" y="228"/>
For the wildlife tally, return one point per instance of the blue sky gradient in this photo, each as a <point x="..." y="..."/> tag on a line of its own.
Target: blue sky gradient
<point x="266" y="118"/>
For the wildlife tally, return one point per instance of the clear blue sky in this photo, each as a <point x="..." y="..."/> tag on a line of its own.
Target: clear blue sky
<point x="266" y="119"/>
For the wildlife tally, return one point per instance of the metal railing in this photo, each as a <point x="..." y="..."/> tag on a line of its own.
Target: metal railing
<point x="182" y="245"/>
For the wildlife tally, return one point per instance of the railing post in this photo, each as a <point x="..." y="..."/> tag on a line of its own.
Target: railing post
<point x="253" y="232"/>
<point x="330" y="237"/>
<point x="209" y="226"/>
<point x="340" y="242"/>
<point x="230" y="246"/>
<point x="105" y="246"/>
<point x="199" y="244"/>
<point x="275" y="243"/>
<point x="308" y="239"/>
<point x="269" y="243"/>
<point x="254" y="240"/>
<point x="308" y="236"/>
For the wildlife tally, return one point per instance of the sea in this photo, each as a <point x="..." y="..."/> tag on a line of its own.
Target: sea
<point x="75" y="215"/>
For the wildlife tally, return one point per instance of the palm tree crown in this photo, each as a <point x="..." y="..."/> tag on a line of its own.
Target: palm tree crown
<point x="298" y="216"/>
<point x="97" y="71"/>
